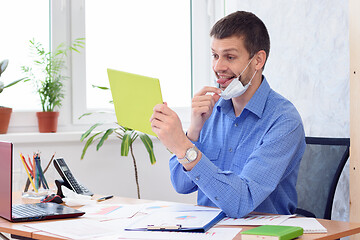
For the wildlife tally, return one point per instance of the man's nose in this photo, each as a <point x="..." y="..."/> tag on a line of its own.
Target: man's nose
<point x="219" y="65"/>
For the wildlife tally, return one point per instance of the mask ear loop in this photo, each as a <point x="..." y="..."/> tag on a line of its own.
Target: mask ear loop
<point x="238" y="77"/>
<point x="252" y="77"/>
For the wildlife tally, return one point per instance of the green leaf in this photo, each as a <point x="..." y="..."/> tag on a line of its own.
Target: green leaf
<point x="126" y="142"/>
<point x="14" y="82"/>
<point x="148" y="145"/>
<point x="104" y="137"/>
<point x="3" y="65"/>
<point x="87" y="133"/>
<point x="85" y="114"/>
<point x="88" y="143"/>
<point x="100" y="87"/>
<point x="102" y="112"/>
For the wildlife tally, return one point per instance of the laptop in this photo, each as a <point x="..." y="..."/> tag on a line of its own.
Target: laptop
<point x="25" y="212"/>
<point x="134" y="97"/>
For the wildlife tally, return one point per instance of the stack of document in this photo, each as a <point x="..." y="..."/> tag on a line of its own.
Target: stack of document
<point x="142" y="221"/>
<point x="181" y="218"/>
<point x="310" y="225"/>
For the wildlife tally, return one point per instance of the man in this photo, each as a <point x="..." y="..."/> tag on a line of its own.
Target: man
<point x="244" y="145"/>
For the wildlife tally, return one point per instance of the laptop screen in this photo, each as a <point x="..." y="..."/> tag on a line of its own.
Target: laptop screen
<point x="6" y="150"/>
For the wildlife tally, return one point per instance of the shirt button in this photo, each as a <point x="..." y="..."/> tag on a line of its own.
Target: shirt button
<point x="230" y="149"/>
<point x="216" y="198"/>
<point x="236" y="124"/>
<point x="197" y="178"/>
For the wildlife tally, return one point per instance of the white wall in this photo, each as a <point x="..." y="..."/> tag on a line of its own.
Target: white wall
<point x="309" y="65"/>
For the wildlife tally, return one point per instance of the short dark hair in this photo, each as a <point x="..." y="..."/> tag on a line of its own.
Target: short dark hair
<point x="246" y="25"/>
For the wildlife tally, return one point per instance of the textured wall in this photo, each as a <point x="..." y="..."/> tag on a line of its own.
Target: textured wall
<point x="309" y="65"/>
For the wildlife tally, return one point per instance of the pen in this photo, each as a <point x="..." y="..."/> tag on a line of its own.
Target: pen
<point x="29" y="176"/>
<point x="104" y="198"/>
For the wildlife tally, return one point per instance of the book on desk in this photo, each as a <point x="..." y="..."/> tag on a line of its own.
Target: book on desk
<point x="272" y="232"/>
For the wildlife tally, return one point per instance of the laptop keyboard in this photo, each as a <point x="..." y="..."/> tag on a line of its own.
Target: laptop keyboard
<point x="27" y="210"/>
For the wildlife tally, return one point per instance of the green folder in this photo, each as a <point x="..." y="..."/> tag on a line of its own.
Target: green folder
<point x="272" y="232"/>
<point x="134" y="98"/>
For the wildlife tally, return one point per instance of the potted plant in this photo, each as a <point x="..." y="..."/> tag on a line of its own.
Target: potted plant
<point x="127" y="137"/>
<point x="5" y="112"/>
<point x="48" y="79"/>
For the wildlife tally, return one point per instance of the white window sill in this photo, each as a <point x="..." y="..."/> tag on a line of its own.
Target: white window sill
<point x="36" y="137"/>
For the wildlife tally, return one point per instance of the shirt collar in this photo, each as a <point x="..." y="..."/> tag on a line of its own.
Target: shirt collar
<point x="256" y="104"/>
<point x="258" y="100"/>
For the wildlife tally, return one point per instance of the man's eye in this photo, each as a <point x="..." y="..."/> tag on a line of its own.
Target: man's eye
<point x="215" y="56"/>
<point x="231" y="57"/>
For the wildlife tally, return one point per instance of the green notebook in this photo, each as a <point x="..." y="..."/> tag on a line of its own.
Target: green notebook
<point x="272" y="232"/>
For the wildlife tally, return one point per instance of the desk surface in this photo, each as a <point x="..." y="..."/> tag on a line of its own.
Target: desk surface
<point x="336" y="229"/>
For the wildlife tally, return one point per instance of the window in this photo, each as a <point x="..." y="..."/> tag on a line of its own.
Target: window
<point x="151" y="38"/>
<point x="21" y="20"/>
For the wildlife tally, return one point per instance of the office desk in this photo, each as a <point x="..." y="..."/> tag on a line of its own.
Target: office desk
<point x="336" y="229"/>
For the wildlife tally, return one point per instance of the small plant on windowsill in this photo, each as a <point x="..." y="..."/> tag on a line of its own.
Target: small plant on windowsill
<point x="46" y="73"/>
<point x="5" y="112"/>
<point x="127" y="137"/>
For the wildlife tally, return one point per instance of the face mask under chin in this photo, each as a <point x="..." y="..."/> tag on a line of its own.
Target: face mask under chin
<point x="236" y="88"/>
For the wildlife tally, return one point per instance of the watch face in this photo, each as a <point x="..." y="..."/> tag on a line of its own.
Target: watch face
<point x="192" y="155"/>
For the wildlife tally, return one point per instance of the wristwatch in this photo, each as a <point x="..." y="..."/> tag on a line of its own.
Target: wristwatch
<point x="190" y="155"/>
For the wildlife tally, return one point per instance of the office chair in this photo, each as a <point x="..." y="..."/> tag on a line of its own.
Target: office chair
<point x="319" y="173"/>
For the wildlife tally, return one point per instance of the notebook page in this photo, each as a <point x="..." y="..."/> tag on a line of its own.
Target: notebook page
<point x="310" y="225"/>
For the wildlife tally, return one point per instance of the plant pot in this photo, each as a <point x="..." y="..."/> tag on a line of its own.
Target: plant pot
<point x="5" y="114"/>
<point x="47" y="121"/>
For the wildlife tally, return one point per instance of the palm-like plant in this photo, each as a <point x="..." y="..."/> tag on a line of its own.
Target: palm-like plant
<point x="127" y="137"/>
<point x="3" y="66"/>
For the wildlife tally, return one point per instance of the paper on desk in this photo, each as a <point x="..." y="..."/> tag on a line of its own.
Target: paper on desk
<point x="110" y="211"/>
<point x="255" y="219"/>
<point x="212" y="234"/>
<point x="72" y="199"/>
<point x="310" y="225"/>
<point x="75" y="229"/>
<point x="190" y="219"/>
<point x="173" y="207"/>
<point x="157" y="206"/>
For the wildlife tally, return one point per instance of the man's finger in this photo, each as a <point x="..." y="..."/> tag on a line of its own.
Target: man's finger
<point x="208" y="89"/>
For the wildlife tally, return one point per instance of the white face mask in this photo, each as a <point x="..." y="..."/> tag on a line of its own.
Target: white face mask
<point x="236" y="88"/>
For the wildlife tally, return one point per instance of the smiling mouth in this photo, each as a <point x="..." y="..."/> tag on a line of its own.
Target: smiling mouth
<point x="222" y="80"/>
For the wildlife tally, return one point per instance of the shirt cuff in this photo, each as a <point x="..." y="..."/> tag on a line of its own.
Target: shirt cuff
<point x="201" y="172"/>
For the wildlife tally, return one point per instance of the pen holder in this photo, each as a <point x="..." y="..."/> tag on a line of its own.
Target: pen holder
<point x="41" y="193"/>
<point x="36" y="177"/>
<point x="39" y="189"/>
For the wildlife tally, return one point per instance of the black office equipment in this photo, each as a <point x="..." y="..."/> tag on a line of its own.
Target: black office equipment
<point x="69" y="179"/>
<point x="319" y="173"/>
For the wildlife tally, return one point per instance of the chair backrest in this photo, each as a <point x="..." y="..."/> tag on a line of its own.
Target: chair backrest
<point x="319" y="173"/>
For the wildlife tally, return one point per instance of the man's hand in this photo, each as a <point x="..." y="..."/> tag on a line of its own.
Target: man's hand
<point x="201" y="109"/>
<point x="167" y="126"/>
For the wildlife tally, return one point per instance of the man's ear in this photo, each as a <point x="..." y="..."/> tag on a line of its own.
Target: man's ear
<point x="260" y="58"/>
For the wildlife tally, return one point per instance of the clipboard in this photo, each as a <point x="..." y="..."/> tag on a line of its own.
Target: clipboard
<point x="179" y="227"/>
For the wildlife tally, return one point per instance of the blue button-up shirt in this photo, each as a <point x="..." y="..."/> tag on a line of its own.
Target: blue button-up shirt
<point x="250" y="162"/>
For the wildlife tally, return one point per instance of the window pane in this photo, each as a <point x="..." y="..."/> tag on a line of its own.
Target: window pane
<point x="21" y="21"/>
<point x="150" y="38"/>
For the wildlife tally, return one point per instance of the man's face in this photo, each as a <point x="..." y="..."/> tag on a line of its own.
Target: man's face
<point x="229" y="59"/>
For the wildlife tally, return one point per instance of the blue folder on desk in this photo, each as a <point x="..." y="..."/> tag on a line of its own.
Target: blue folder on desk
<point x="193" y="221"/>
